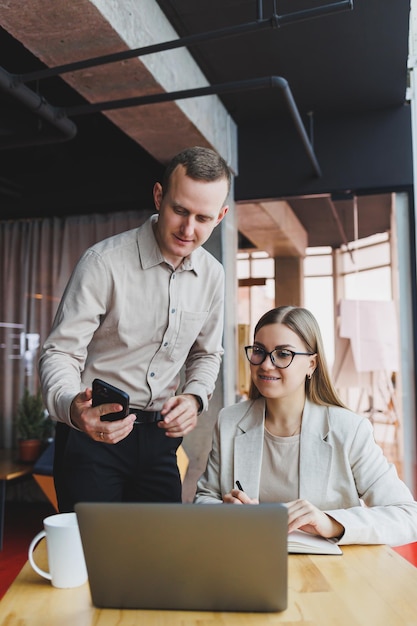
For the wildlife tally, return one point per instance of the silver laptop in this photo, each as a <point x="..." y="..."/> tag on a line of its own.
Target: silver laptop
<point x="200" y="557"/>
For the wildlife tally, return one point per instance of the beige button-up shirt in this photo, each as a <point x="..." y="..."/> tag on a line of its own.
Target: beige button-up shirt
<point x="129" y="318"/>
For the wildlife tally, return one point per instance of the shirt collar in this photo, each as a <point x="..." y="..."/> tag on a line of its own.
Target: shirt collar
<point x="150" y="253"/>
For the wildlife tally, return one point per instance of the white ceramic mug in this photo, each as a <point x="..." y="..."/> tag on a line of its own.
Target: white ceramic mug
<point x="65" y="552"/>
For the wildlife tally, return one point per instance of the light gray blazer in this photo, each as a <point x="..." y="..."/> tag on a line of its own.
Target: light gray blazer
<point x="342" y="470"/>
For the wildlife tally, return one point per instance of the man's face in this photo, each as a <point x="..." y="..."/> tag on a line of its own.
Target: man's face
<point x="188" y="213"/>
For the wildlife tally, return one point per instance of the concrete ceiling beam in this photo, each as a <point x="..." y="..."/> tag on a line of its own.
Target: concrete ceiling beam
<point x="61" y="32"/>
<point x="272" y="227"/>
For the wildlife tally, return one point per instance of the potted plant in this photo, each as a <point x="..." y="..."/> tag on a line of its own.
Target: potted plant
<point x="33" y="425"/>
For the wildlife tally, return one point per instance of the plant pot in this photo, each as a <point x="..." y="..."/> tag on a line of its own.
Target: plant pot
<point x="29" y="450"/>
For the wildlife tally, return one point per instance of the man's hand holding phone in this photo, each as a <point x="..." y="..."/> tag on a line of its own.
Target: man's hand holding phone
<point x="90" y="414"/>
<point x="104" y="393"/>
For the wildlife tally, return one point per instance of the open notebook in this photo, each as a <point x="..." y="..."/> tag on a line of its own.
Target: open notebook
<point x="186" y="556"/>
<point x="300" y="542"/>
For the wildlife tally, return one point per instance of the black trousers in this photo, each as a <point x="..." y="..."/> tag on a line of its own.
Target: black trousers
<point x="140" y="468"/>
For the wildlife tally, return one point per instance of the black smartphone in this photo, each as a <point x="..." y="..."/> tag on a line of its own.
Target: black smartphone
<point x="104" y="393"/>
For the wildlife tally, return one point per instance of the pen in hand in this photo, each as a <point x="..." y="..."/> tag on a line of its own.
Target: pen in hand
<point x="244" y="499"/>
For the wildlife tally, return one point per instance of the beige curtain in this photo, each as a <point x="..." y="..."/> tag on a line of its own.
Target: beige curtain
<point x="36" y="260"/>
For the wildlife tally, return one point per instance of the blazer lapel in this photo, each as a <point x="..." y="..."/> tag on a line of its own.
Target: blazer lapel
<point x="315" y="453"/>
<point x="248" y="448"/>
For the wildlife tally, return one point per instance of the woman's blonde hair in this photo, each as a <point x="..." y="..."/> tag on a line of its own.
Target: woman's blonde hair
<point x="319" y="389"/>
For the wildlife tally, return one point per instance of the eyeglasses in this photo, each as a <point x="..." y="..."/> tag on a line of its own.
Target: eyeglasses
<point x="280" y="357"/>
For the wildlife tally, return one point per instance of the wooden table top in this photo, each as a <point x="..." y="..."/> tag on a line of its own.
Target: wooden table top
<point x="367" y="586"/>
<point x="11" y="467"/>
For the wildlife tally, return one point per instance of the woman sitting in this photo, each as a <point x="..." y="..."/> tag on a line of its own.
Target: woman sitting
<point x="295" y="442"/>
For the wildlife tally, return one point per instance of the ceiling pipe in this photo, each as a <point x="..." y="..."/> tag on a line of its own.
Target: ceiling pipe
<point x="339" y="226"/>
<point x="273" y="22"/>
<point x="40" y="107"/>
<point x="308" y="14"/>
<point x="242" y="85"/>
<point x="259" y="9"/>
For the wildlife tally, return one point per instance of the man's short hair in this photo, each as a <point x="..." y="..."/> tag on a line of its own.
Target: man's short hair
<point x="200" y="164"/>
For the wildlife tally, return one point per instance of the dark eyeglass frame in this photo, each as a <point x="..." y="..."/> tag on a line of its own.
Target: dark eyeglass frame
<point x="271" y="355"/>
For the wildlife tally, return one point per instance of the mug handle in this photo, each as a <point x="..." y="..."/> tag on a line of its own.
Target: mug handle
<point x="33" y="543"/>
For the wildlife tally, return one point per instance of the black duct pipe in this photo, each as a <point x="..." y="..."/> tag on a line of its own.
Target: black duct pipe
<point x="274" y="22"/>
<point x="243" y="85"/>
<point x="38" y="105"/>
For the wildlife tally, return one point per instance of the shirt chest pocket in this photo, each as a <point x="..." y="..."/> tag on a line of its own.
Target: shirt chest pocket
<point x="184" y="333"/>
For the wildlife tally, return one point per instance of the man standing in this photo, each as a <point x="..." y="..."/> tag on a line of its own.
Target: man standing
<point x="138" y="307"/>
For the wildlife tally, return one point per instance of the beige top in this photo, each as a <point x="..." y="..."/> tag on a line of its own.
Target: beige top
<point x="280" y="468"/>
<point x="130" y="318"/>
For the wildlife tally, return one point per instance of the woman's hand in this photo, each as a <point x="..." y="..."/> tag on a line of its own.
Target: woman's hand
<point x="238" y="497"/>
<point x="302" y="515"/>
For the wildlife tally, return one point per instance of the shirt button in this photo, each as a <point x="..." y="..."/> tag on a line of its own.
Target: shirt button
<point x="173" y="310"/>
<point x="152" y="374"/>
<point x="165" y="344"/>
